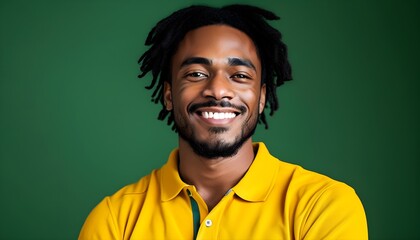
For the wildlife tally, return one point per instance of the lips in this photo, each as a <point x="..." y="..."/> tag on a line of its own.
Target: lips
<point x="217" y="115"/>
<point x="217" y="112"/>
<point x="213" y="106"/>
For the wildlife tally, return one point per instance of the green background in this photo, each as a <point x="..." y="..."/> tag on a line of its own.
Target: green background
<point x="76" y="124"/>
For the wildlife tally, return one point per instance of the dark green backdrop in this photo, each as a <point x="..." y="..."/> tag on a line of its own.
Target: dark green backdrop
<point x="76" y="124"/>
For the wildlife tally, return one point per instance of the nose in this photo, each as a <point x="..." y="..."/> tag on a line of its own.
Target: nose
<point x="218" y="87"/>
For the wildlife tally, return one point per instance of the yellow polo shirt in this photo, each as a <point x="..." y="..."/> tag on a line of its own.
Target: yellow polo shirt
<point x="274" y="200"/>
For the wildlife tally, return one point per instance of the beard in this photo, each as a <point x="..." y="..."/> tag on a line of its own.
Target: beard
<point x="216" y="147"/>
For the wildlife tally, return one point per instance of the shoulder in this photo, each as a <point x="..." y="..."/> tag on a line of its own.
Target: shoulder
<point x="135" y="193"/>
<point x="308" y="185"/>
<point x="327" y="208"/>
<point x="304" y="179"/>
<point x="292" y="177"/>
<point x="322" y="206"/>
<point x="135" y="189"/>
<point x="111" y="215"/>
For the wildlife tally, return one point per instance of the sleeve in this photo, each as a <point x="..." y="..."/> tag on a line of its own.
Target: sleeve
<point x="100" y="224"/>
<point x="336" y="213"/>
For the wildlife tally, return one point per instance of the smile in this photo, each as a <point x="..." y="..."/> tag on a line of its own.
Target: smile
<point x="218" y="115"/>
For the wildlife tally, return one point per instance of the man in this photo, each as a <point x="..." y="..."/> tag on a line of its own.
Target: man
<point x="214" y="71"/>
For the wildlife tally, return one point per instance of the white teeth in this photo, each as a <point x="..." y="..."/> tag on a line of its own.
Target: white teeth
<point x="218" y="115"/>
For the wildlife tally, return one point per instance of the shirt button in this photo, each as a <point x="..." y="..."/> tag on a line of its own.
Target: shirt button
<point x="209" y="223"/>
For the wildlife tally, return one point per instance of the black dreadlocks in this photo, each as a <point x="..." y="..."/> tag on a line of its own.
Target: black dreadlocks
<point x="165" y="37"/>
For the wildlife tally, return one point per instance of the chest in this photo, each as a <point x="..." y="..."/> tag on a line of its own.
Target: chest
<point x="231" y="218"/>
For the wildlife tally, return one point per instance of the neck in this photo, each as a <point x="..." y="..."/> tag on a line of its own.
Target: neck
<point x="213" y="177"/>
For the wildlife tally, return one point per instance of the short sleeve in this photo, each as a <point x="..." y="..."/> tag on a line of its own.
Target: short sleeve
<point x="336" y="213"/>
<point x="100" y="224"/>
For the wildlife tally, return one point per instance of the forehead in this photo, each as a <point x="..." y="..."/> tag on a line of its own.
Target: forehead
<point x="216" y="42"/>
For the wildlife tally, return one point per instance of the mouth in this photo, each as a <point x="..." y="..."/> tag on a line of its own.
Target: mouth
<point x="217" y="115"/>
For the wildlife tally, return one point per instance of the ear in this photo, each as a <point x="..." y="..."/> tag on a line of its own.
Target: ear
<point x="167" y="95"/>
<point x="262" y="98"/>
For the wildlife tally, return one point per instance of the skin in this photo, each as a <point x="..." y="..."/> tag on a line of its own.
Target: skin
<point x="219" y="63"/>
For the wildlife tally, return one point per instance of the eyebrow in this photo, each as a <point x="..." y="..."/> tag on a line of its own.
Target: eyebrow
<point x="205" y="61"/>
<point x="241" y="62"/>
<point x="196" y="60"/>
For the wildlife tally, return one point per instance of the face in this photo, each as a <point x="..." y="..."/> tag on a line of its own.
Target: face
<point x="215" y="94"/>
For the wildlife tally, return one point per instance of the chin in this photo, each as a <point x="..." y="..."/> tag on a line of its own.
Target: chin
<point x="216" y="145"/>
<point x="216" y="149"/>
<point x="216" y="142"/>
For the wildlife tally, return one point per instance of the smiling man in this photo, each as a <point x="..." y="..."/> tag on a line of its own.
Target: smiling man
<point x="216" y="93"/>
<point x="215" y="71"/>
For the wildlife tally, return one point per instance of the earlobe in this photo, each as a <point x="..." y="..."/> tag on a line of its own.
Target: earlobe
<point x="262" y="98"/>
<point x="167" y="96"/>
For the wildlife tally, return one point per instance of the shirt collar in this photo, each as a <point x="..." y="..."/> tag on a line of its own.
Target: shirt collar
<point x="259" y="179"/>
<point x="171" y="183"/>
<point x="254" y="186"/>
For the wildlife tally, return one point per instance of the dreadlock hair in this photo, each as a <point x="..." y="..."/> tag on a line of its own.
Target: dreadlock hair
<point x="165" y="37"/>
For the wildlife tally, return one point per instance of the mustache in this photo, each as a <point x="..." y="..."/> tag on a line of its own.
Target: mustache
<point x="214" y="103"/>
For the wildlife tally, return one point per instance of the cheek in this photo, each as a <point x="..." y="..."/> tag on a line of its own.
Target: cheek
<point x="182" y="97"/>
<point x="251" y="99"/>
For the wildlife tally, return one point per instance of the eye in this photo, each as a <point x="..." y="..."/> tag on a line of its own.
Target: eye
<point x="240" y="77"/>
<point x="195" y="76"/>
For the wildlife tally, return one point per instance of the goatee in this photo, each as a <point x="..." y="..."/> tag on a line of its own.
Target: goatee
<point x="214" y="148"/>
<point x="218" y="148"/>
